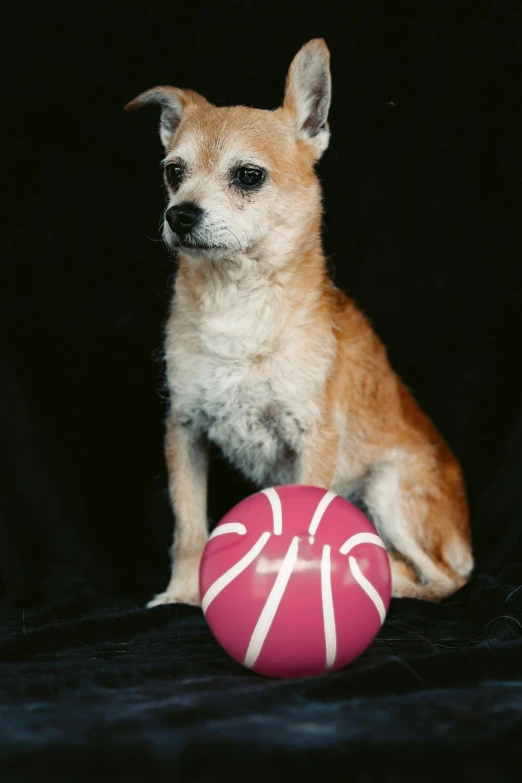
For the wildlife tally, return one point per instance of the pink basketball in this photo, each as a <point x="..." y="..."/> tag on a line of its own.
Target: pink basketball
<point x="295" y="582"/>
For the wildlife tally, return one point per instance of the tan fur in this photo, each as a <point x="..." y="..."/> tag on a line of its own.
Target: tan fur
<point x="363" y="431"/>
<point x="188" y="471"/>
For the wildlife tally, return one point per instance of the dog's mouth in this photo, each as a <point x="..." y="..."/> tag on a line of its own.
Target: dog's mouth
<point x="199" y="246"/>
<point x="191" y="244"/>
<point x="195" y="245"/>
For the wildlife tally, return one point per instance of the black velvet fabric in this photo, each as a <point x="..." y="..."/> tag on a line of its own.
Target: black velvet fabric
<point x="422" y="203"/>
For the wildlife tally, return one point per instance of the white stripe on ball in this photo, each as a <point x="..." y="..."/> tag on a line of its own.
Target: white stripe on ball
<point x="225" y="579"/>
<point x="272" y="604"/>
<point x="277" y="511"/>
<point x="319" y="512"/>
<point x="368" y="588"/>
<point x="360" y="538"/>
<point x="228" y="527"/>
<point x="330" y="633"/>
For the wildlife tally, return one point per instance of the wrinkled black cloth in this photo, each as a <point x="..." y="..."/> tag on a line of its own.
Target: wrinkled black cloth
<point x="422" y="212"/>
<point x="120" y="693"/>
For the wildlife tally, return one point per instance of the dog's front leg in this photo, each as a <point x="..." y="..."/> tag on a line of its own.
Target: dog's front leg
<point x="318" y="457"/>
<point x="187" y="461"/>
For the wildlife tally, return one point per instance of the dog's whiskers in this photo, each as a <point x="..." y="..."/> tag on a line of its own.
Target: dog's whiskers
<point x="240" y="247"/>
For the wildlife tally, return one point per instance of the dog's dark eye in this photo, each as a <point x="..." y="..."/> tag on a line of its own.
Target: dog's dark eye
<point x="174" y="174"/>
<point x="248" y="177"/>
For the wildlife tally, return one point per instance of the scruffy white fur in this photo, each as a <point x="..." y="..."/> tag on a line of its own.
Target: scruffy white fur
<point x="250" y="415"/>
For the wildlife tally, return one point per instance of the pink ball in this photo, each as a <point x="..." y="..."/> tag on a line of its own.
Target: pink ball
<point x="295" y="582"/>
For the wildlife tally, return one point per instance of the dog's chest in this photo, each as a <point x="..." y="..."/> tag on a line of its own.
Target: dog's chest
<point x="248" y="376"/>
<point x="256" y="418"/>
<point x="257" y="409"/>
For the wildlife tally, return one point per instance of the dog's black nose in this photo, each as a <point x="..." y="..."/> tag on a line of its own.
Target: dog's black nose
<point x="183" y="217"/>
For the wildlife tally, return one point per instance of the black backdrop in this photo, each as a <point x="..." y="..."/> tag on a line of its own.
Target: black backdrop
<point x="422" y="184"/>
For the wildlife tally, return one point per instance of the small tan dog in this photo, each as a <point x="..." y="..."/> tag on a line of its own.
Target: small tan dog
<point x="267" y="359"/>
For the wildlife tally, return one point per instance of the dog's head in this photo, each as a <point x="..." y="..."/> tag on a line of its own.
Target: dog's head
<point x="241" y="181"/>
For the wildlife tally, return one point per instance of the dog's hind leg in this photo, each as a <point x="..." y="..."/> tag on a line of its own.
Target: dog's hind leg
<point x="420" y="510"/>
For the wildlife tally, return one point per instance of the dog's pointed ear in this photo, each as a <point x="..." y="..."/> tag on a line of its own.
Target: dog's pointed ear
<point x="308" y="93"/>
<point x="174" y="104"/>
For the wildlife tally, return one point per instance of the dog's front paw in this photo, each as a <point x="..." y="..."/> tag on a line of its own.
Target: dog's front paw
<point x="175" y="597"/>
<point x="180" y="591"/>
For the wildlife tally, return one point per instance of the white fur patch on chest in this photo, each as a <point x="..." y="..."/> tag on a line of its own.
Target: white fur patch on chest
<point x="255" y="429"/>
<point x="250" y="391"/>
